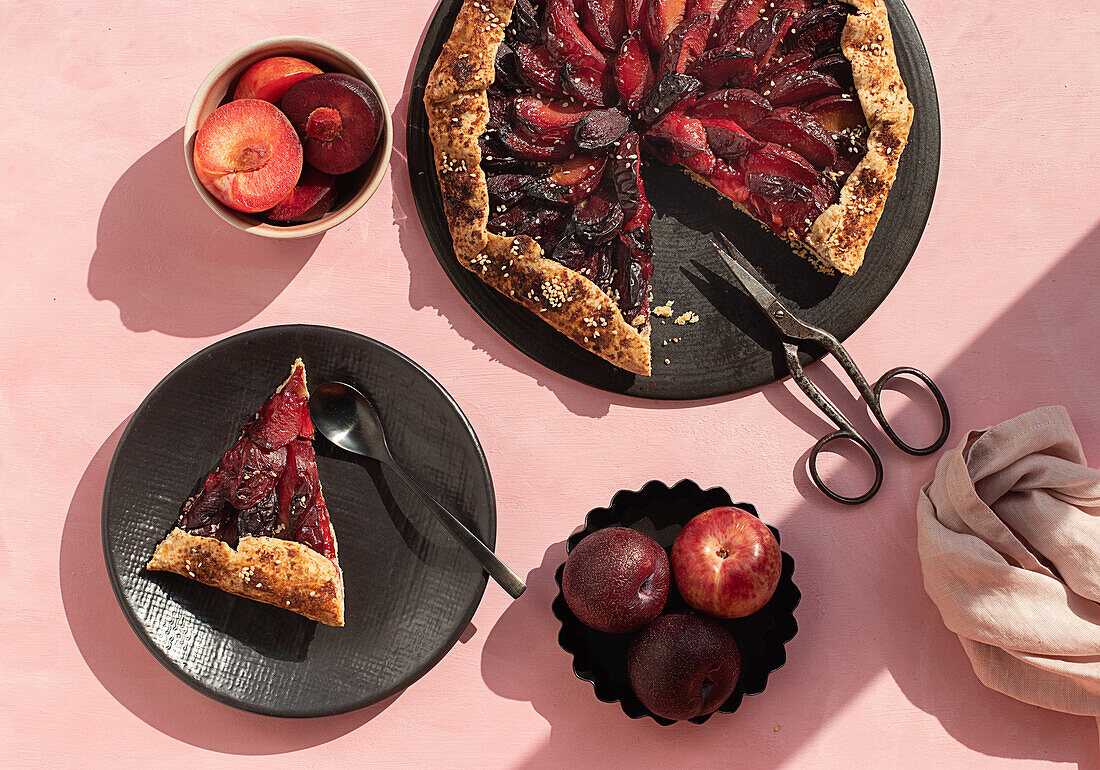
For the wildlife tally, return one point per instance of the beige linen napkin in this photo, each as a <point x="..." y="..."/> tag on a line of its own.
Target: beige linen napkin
<point x="1008" y="533"/>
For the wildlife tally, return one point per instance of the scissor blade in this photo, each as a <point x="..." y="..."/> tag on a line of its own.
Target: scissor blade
<point x="761" y="294"/>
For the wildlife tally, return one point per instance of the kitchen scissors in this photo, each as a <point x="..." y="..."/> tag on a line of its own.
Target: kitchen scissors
<point x="793" y="331"/>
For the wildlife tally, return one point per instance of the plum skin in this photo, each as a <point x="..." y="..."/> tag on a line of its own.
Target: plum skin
<point x="616" y="580"/>
<point x="683" y="665"/>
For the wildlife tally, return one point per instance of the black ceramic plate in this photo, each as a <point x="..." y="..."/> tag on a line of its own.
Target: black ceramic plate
<point x="410" y="591"/>
<point x="661" y="513"/>
<point x="732" y="348"/>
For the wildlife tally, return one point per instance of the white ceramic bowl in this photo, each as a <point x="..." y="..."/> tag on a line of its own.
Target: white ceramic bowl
<point x="358" y="186"/>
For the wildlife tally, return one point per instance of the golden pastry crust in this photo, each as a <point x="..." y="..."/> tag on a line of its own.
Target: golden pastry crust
<point x="458" y="110"/>
<point x="839" y="236"/>
<point x="279" y="572"/>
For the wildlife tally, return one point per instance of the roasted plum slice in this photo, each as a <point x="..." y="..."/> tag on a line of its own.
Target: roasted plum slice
<point x="532" y="218"/>
<point x="661" y="17"/>
<point x="282" y="417"/>
<point x="778" y="187"/>
<point x="266" y="484"/>
<point x="507" y="222"/>
<point x="569" y="181"/>
<point x="542" y="118"/>
<point x="508" y="188"/>
<point x="764" y="35"/>
<point x="259" y="520"/>
<point x="538" y="70"/>
<point x="599" y="217"/>
<point x="626" y="173"/>
<point x="590" y="86"/>
<point x="729" y="181"/>
<point x="836" y="66"/>
<point x="600" y="129"/>
<point x="604" y="22"/>
<point x="796" y="7"/>
<point x="312" y="528"/>
<point x="495" y="154"/>
<point x="633" y="70"/>
<point x="498" y="110"/>
<point x="744" y="107"/>
<point x="794" y="87"/>
<point x="630" y="283"/>
<point x="726" y="64"/>
<point x="793" y="61"/>
<point x="207" y="513"/>
<point x="709" y="7"/>
<point x="672" y="91"/>
<point x="818" y="30"/>
<point x="545" y="226"/>
<point x="519" y="145"/>
<point x="260" y="471"/>
<point x="736" y="17"/>
<point x="564" y="39"/>
<point x="599" y="265"/>
<point x="525" y="25"/>
<point x="850" y="148"/>
<point x="838" y="112"/>
<point x="727" y="139"/>
<point x="507" y="68"/>
<point x="799" y="131"/>
<point x="678" y="135"/>
<point x="798" y="215"/>
<point x="569" y="251"/>
<point x="684" y="45"/>
<point x="773" y="159"/>
<point x="678" y="138"/>
<point x="635" y="14"/>
<point x="298" y="486"/>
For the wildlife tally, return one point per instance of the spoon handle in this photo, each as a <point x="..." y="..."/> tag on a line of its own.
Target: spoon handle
<point x="497" y="569"/>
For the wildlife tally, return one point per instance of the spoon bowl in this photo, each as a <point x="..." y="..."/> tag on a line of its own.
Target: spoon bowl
<point x="345" y="417"/>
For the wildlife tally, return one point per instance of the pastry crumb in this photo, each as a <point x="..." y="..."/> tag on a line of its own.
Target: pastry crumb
<point x="686" y="318"/>
<point x="667" y="361"/>
<point x="665" y="310"/>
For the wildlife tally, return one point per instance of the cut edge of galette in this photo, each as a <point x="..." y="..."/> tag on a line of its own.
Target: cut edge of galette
<point x="539" y="134"/>
<point x="258" y="527"/>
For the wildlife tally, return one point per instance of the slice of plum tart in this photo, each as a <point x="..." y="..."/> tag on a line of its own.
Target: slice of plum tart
<point x="258" y="526"/>
<point x="541" y="112"/>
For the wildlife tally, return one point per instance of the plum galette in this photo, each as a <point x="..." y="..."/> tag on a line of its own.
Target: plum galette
<point x="541" y="112"/>
<point x="258" y="527"/>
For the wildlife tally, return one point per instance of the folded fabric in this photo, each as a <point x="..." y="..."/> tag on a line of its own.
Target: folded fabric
<point x="1009" y="543"/>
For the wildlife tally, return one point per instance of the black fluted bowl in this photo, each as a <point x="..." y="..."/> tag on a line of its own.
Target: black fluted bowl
<point x="661" y="512"/>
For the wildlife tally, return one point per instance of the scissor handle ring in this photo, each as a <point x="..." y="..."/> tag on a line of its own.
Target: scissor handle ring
<point x="944" y="413"/>
<point x="857" y="439"/>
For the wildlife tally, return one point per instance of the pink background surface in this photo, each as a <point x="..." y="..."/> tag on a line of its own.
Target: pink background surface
<point x="114" y="271"/>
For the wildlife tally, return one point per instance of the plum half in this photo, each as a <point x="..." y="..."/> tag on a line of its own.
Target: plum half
<point x="338" y="117"/>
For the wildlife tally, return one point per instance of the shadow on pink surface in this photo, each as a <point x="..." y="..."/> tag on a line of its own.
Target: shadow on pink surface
<point x="864" y="613"/>
<point x="133" y="676"/>
<point x="161" y="254"/>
